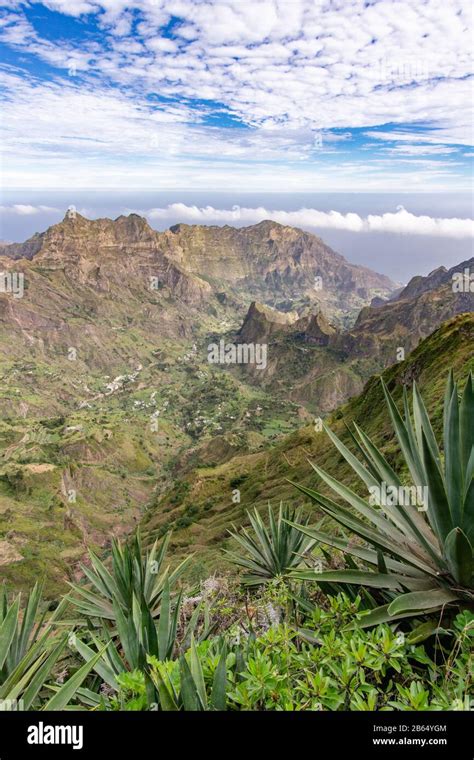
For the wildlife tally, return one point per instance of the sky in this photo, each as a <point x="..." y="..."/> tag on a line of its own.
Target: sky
<point x="293" y="101"/>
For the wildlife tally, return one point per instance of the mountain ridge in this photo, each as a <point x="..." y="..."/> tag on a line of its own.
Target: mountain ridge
<point x="106" y="392"/>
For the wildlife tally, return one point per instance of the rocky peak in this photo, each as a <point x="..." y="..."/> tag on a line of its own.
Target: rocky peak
<point x="316" y="329"/>
<point x="262" y="321"/>
<point x="434" y="279"/>
<point x="76" y="232"/>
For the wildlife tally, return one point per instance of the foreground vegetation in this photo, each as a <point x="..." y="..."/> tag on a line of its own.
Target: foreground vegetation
<point x="287" y="634"/>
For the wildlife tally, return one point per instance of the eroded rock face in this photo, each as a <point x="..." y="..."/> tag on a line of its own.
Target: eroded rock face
<point x="403" y="322"/>
<point x="315" y="329"/>
<point x="265" y="259"/>
<point x="273" y="258"/>
<point x="262" y="322"/>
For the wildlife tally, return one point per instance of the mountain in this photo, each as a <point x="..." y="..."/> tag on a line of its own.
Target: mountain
<point x="205" y="503"/>
<point x="409" y="317"/>
<point x="263" y="322"/>
<point x="105" y="384"/>
<point x="109" y="400"/>
<point x="108" y="293"/>
<point x="268" y="259"/>
<point x="321" y="365"/>
<point x="276" y="263"/>
<point x="438" y="277"/>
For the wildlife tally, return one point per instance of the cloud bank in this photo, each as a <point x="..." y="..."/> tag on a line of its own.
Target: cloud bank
<point x="401" y="222"/>
<point x="25" y="209"/>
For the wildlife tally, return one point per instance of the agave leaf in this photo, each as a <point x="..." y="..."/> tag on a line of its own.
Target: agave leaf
<point x="404" y="438"/>
<point x="405" y="518"/>
<point x="376" y="617"/>
<point x="466" y="427"/>
<point x="111" y="656"/>
<point x="89" y="698"/>
<point x="367" y="555"/>
<point x="468" y="513"/>
<point x="422" y="601"/>
<point x="101" y="668"/>
<point x="191" y="626"/>
<point x="422" y="422"/>
<point x="14" y="686"/>
<point x="424" y="631"/>
<point x="180" y="569"/>
<point x="64" y="695"/>
<point x="469" y="472"/>
<point x="165" y="692"/>
<point x="380" y="464"/>
<point x="164" y="624"/>
<point x="20" y="676"/>
<point x="197" y="674"/>
<point x="448" y="392"/>
<point x="91" y="604"/>
<point x="453" y="465"/>
<point x="102" y="579"/>
<point x="381" y="565"/>
<point x="42" y="674"/>
<point x="8" y="629"/>
<point x="128" y="636"/>
<point x="378" y="540"/>
<point x="153" y="566"/>
<point x="189" y="691"/>
<point x="364" y="509"/>
<point x="438" y="505"/>
<point x="358" y="468"/>
<point x="411" y="431"/>
<point x="459" y="555"/>
<point x="30" y="616"/>
<point x="361" y="450"/>
<point x="374" y="580"/>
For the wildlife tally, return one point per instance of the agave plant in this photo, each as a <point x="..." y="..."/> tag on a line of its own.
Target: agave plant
<point x="190" y="694"/>
<point x="422" y="557"/>
<point x="136" y="578"/>
<point x="271" y="552"/>
<point x="30" y="648"/>
<point x="132" y="611"/>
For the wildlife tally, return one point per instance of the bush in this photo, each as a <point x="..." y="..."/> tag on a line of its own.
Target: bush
<point x="323" y="667"/>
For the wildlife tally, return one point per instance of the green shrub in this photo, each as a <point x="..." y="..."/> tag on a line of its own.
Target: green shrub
<point x="324" y="666"/>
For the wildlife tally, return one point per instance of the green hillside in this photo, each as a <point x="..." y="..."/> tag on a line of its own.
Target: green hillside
<point x="203" y="504"/>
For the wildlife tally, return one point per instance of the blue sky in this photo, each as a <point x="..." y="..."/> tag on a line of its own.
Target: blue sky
<point x="179" y="109"/>
<point x="268" y="95"/>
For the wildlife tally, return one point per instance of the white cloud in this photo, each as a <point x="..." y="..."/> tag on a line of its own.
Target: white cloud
<point x="401" y="222"/>
<point x="421" y="150"/>
<point x="297" y="63"/>
<point x="20" y="209"/>
<point x="283" y="68"/>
